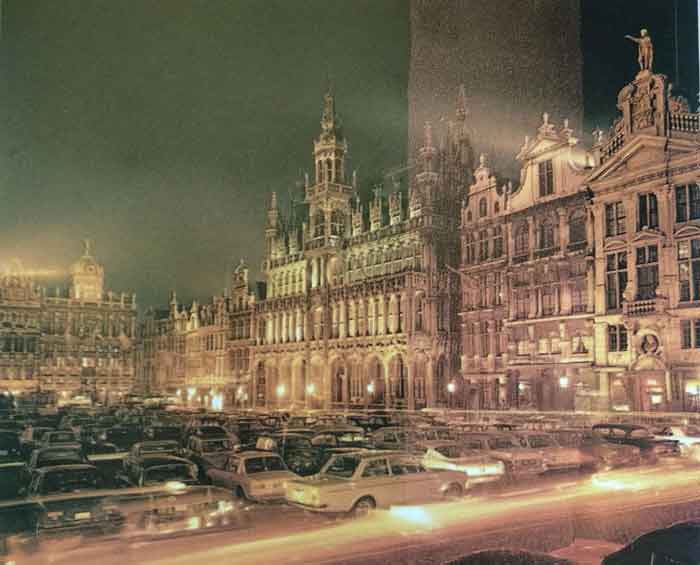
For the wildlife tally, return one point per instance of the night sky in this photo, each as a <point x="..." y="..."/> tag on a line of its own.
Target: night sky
<point x="159" y="128"/>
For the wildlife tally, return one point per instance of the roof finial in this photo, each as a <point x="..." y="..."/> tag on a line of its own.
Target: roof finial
<point x="273" y="201"/>
<point x="461" y="103"/>
<point x="86" y="248"/>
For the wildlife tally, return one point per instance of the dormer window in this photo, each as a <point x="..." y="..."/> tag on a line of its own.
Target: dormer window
<point x="648" y="212"/>
<point x="545" y="174"/>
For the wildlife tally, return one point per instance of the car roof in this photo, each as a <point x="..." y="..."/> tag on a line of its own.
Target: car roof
<point x="157" y="459"/>
<point x="76" y="467"/>
<point x="255" y="453"/>
<point x="620" y="426"/>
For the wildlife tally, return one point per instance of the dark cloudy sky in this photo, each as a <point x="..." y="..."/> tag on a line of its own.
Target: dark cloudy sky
<point x="158" y="128"/>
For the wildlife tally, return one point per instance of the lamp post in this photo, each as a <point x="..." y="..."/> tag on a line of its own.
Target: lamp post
<point x="451" y="388"/>
<point x="280" y="392"/>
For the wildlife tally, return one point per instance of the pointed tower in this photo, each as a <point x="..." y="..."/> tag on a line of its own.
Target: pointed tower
<point x="272" y="230"/>
<point x="174" y="308"/>
<point x="465" y="151"/>
<point x="375" y="210"/>
<point x="87" y="277"/>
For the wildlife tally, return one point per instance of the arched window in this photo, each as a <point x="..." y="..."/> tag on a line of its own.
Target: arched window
<point x="483" y="208"/>
<point x="496" y="208"/>
<point x="319" y="224"/>
<point x="546" y="235"/>
<point x="577" y="228"/>
<point x="469" y="216"/>
<point x="337" y="223"/>
<point x="522" y="240"/>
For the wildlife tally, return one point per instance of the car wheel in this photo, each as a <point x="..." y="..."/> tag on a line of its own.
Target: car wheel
<point x="453" y="491"/>
<point x="363" y="507"/>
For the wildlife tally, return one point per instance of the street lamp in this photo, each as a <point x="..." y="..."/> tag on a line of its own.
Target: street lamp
<point x="370" y="387"/>
<point x="280" y="390"/>
<point x="311" y="389"/>
<point x="451" y="388"/>
<point x="564" y="382"/>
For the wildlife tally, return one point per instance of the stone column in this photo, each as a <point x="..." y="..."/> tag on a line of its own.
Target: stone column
<point x="599" y="268"/>
<point x="342" y="321"/>
<point x="430" y="383"/>
<point x="532" y="234"/>
<point x="410" y="397"/>
<point x="563" y="229"/>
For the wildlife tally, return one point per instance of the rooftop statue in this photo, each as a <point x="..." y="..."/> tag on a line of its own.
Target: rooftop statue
<point x="645" y="55"/>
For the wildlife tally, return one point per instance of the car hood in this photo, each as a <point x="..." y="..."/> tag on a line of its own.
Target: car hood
<point x="317" y="482"/>
<point x="516" y="454"/>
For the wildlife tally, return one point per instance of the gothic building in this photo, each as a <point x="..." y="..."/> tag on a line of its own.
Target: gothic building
<point x="360" y="309"/>
<point x="75" y="339"/>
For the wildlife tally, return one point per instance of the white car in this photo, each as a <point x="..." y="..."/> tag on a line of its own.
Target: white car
<point x="688" y="438"/>
<point x="361" y="481"/>
<point x="478" y="466"/>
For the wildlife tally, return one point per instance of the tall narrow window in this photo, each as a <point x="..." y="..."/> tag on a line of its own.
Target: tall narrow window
<point x="546" y="235"/>
<point x="484" y="337"/>
<point x="522" y="243"/>
<point x="689" y="270"/>
<point x="483" y="245"/>
<point x="418" y="322"/>
<point x="497" y="297"/>
<point x="687" y="202"/>
<point x="522" y="304"/>
<point x="546" y="177"/>
<point x="647" y="272"/>
<point x="616" y="279"/>
<point x="648" y="212"/>
<point x="614" y="219"/>
<point x="617" y="338"/>
<point x="690" y="334"/>
<point x="549" y="305"/>
<point x="577" y="229"/>
<point x="483" y="208"/>
<point x="497" y="242"/>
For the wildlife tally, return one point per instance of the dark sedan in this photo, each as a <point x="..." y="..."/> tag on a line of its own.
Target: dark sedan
<point x="639" y="436"/>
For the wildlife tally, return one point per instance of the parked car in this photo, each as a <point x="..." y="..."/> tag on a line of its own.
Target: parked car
<point x="607" y="455"/>
<point x="359" y="482"/>
<point x="10" y="446"/>
<point x="517" y="461"/>
<point x="158" y="469"/>
<point x="675" y="545"/>
<point x="478" y="466"/>
<point x="60" y="455"/>
<point x="146" y="448"/>
<point x="209" y="453"/>
<point x="639" y="436"/>
<point x="253" y="475"/>
<point x="31" y="439"/>
<point x="161" y="432"/>
<point x="296" y="450"/>
<point x="555" y="456"/>
<point x="63" y="479"/>
<point x="14" y="479"/>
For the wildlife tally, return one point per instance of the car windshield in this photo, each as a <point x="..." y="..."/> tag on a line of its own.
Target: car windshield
<point x="343" y="466"/>
<point x="60" y="437"/>
<point x="449" y="451"/>
<point x="70" y="480"/>
<point x="296" y="443"/>
<point x="263" y="464"/>
<point x="502" y="443"/>
<point x="217" y="446"/>
<point x="164" y="473"/>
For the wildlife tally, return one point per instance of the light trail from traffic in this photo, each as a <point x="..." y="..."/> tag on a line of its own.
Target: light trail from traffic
<point x="296" y="537"/>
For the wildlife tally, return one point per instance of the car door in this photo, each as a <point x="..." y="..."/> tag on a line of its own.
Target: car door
<point x="377" y="481"/>
<point x="415" y="483"/>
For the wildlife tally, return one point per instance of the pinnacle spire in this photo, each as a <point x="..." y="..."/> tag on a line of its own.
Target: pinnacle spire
<point x="461" y="109"/>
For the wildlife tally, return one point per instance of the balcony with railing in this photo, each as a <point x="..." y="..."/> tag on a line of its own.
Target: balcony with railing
<point x="684" y="122"/>
<point x="644" y="307"/>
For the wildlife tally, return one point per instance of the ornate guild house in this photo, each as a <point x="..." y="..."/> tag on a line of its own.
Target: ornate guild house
<point x="72" y="340"/>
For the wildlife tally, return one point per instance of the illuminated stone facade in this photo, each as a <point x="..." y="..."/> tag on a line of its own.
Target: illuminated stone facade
<point x="77" y="339"/>
<point x="580" y="284"/>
